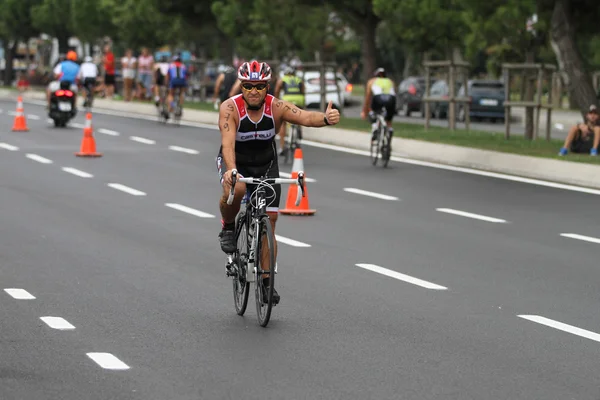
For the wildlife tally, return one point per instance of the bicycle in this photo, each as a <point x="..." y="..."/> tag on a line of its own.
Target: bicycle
<point x="245" y="265"/>
<point x="88" y="89"/>
<point x="292" y="142"/>
<point x="162" y="109"/>
<point x="178" y="109"/>
<point x="381" y="146"/>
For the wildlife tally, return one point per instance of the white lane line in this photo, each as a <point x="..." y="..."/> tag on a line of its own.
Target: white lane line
<point x="108" y="361"/>
<point x="371" y="194"/>
<point x="12" y="113"/>
<point x="581" y="237"/>
<point x="562" y="327"/>
<point x="142" y="140"/>
<point x="57" y="323"/>
<point x="108" y="132"/>
<point x="189" y="210"/>
<point x="184" y="150"/>
<point x="471" y="215"/>
<point x="9" y="147"/>
<point x="50" y="121"/>
<point x="464" y="170"/>
<point x="19" y="294"/>
<point x="31" y="116"/>
<point x="126" y="189"/>
<point x="77" y="172"/>
<point x="402" y="277"/>
<point x="1" y="111"/>
<point x="77" y="125"/>
<point x="291" y="242"/>
<point x="39" y="159"/>
<point x="287" y="175"/>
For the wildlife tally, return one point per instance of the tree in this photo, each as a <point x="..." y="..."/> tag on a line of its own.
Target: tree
<point x="16" y="25"/>
<point x="53" y="18"/>
<point x="564" y="32"/>
<point x="91" y="19"/>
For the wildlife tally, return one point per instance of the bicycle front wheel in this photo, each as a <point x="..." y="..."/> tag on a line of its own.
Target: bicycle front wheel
<point x="386" y="150"/>
<point x="264" y="296"/>
<point x="241" y="288"/>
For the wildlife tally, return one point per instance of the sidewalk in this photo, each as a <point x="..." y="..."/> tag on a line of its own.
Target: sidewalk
<point x="531" y="167"/>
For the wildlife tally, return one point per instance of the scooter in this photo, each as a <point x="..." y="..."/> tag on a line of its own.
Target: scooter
<point x="62" y="105"/>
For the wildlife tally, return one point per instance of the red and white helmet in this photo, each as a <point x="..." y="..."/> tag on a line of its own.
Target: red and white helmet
<point x="254" y="71"/>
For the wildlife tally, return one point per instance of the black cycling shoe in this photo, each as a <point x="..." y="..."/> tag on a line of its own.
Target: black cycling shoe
<point x="227" y="240"/>
<point x="265" y="293"/>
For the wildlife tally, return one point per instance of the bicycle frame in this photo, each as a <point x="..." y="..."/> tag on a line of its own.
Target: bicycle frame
<point x="254" y="214"/>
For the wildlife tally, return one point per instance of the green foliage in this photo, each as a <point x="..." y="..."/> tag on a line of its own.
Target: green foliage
<point x="91" y="19"/>
<point x="15" y="18"/>
<point x="52" y="17"/>
<point x="424" y="25"/>
<point x="139" y="23"/>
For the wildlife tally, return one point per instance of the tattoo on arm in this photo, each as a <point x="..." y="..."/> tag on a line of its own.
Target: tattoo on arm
<point x="227" y="117"/>
<point x="279" y="104"/>
<point x="226" y="126"/>
<point x="230" y="107"/>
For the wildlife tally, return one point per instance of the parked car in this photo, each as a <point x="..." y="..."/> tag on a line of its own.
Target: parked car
<point x="487" y="100"/>
<point x="441" y="89"/>
<point x="410" y="94"/>
<point x="312" y="85"/>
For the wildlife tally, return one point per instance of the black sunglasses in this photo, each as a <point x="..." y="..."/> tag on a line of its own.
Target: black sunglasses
<point x="259" y="86"/>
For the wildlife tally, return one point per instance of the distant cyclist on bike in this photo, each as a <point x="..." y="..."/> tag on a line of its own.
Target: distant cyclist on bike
<point x="294" y="92"/>
<point x="249" y="146"/>
<point x="177" y="79"/>
<point x="88" y="74"/>
<point x="380" y="94"/>
<point x="161" y="69"/>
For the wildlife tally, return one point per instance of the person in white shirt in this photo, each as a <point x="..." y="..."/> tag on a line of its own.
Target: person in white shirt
<point x="128" y="63"/>
<point x="160" y="72"/>
<point x="88" y="73"/>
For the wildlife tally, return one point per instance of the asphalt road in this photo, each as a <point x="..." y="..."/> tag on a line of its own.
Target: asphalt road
<point x="516" y="128"/>
<point x="403" y="297"/>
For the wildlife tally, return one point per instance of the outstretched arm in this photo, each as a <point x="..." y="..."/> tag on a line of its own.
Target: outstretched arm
<point x="367" y="103"/>
<point x="316" y="119"/>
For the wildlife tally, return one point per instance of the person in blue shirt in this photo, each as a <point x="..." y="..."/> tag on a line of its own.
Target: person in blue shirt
<point x="176" y="78"/>
<point x="65" y="74"/>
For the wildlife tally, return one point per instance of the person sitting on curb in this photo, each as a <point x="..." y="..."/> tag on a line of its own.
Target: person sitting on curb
<point x="584" y="137"/>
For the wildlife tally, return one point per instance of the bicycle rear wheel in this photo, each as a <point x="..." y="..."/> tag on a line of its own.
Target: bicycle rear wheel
<point x="376" y="147"/>
<point x="241" y="287"/>
<point x="264" y="305"/>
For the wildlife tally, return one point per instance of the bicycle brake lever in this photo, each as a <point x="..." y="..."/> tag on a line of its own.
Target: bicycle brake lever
<point x="232" y="190"/>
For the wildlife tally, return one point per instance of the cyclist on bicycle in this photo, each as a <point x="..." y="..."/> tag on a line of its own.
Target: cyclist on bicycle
<point x="293" y="89"/>
<point x="379" y="95"/>
<point x="177" y="79"/>
<point x="161" y="69"/>
<point x="249" y="147"/>
<point x="88" y="73"/>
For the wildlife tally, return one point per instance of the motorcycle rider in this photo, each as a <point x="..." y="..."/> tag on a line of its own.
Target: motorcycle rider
<point x="65" y="74"/>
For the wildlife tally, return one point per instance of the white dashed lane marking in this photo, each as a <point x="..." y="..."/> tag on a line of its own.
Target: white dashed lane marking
<point x="189" y="210"/>
<point x="370" y="194"/>
<point x="19" y="294"/>
<point x="142" y="140"/>
<point x="57" y="323"/>
<point x="471" y="215"/>
<point x="34" y="117"/>
<point x="290" y="242"/>
<point x="7" y="146"/>
<point x="108" y="361"/>
<point x="562" y="327"/>
<point x="184" y="150"/>
<point x="39" y="159"/>
<point x="77" y="172"/>
<point x="108" y="132"/>
<point x="581" y="237"/>
<point x="126" y="189"/>
<point x="402" y="277"/>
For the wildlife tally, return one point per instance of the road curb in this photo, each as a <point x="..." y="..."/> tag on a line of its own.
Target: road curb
<point x="561" y="171"/>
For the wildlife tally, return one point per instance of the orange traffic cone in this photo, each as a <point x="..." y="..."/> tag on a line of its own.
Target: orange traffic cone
<point x="290" y="205"/>
<point x="88" y="143"/>
<point x="20" y="124"/>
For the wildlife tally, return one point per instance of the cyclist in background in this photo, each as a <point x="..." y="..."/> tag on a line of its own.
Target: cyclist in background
<point x="177" y="78"/>
<point x="293" y="89"/>
<point x="88" y="74"/>
<point x="225" y="82"/>
<point x="380" y="94"/>
<point x="161" y="69"/>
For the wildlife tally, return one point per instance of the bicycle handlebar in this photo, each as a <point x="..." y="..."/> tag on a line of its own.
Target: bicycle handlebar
<point x="298" y="181"/>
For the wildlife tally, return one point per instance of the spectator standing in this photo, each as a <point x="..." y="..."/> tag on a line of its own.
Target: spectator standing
<point x="128" y="64"/>
<point x="109" y="71"/>
<point x="145" y="66"/>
